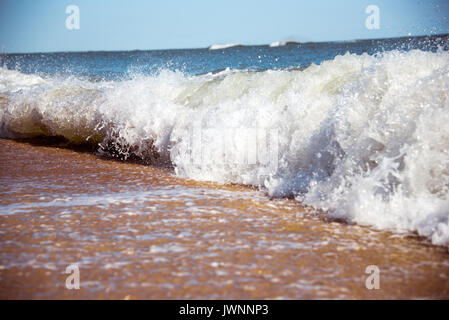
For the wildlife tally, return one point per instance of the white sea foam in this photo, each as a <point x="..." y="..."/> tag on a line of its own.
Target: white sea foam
<point x="278" y="44"/>
<point x="282" y="43"/>
<point x="224" y="46"/>
<point x="365" y="138"/>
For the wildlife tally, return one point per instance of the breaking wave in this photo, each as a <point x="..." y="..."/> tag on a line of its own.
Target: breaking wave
<point x="283" y="43"/>
<point x="224" y="46"/>
<point x="364" y="138"/>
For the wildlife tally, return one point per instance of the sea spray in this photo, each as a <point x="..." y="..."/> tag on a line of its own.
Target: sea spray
<point x="363" y="137"/>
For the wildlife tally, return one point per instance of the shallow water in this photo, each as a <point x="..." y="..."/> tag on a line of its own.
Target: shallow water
<point x="140" y="232"/>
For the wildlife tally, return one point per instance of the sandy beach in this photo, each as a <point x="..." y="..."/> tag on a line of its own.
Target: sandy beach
<point x="139" y="232"/>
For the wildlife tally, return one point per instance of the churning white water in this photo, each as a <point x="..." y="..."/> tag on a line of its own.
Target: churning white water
<point x="365" y="138"/>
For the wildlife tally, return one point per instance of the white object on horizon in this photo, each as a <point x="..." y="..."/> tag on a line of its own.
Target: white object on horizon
<point x="278" y="44"/>
<point x="223" y="46"/>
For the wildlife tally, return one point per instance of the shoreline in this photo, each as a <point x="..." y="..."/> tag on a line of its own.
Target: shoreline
<point x="138" y="232"/>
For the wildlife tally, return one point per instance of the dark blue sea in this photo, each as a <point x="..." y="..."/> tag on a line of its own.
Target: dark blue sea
<point x="124" y="64"/>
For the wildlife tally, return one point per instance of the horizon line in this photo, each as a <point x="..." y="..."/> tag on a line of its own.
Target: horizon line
<point x="291" y="42"/>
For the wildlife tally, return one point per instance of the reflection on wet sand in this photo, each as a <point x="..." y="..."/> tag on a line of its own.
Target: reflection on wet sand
<point x="138" y="232"/>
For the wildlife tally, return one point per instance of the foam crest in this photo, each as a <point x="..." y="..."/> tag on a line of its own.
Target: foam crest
<point x="363" y="137"/>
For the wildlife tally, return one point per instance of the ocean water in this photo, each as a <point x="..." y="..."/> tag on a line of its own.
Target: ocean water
<point x="357" y="129"/>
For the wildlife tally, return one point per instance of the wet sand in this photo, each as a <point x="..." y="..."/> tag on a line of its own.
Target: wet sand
<point x="139" y="232"/>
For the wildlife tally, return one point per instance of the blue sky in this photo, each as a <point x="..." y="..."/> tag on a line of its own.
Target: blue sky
<point x="39" y="26"/>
